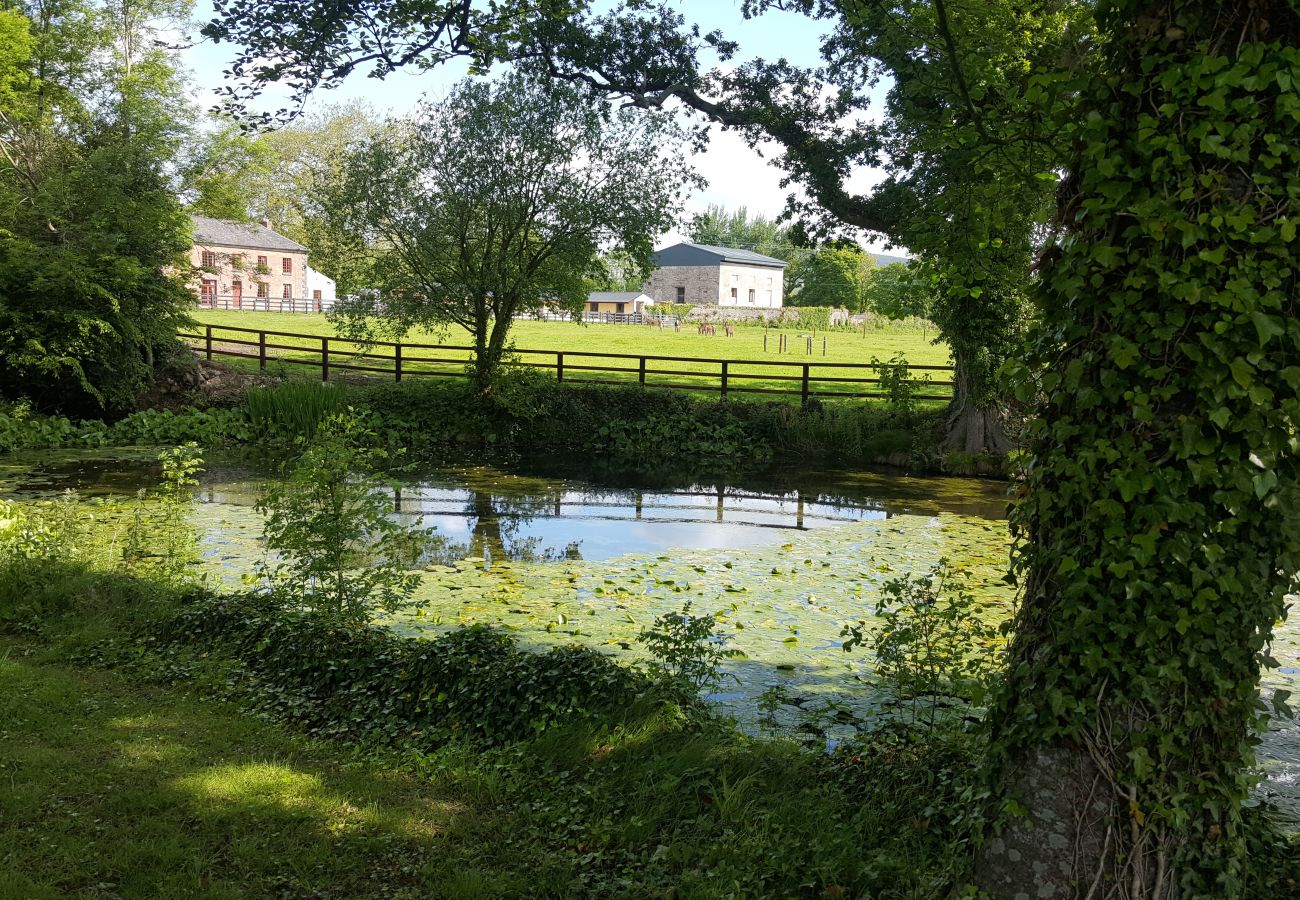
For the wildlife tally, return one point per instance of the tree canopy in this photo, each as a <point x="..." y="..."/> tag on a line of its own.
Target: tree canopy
<point x="836" y="275"/>
<point x="498" y="200"/>
<point x="91" y="120"/>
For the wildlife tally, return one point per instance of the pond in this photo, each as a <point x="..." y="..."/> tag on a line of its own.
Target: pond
<point x="562" y="552"/>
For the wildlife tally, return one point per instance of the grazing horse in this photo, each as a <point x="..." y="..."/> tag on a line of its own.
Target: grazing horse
<point x="729" y="329"/>
<point x="707" y="328"/>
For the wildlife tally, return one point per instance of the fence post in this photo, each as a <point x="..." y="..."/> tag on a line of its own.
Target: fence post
<point x="325" y="359"/>
<point x="641" y="372"/>
<point x="724" y="379"/>
<point x="806" y="367"/>
<point x="397" y="362"/>
<point x="559" y="367"/>
<point x="209" y="343"/>
<point x="261" y="350"/>
<point x="823" y="345"/>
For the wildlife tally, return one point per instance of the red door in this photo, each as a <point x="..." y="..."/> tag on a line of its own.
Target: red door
<point x="237" y="293"/>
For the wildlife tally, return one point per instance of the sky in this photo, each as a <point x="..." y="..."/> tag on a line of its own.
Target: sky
<point x="737" y="175"/>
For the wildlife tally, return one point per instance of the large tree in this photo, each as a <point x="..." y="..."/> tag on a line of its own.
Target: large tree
<point x="91" y="118"/>
<point x="836" y="275"/>
<point x="738" y="228"/>
<point x="498" y="199"/>
<point x="1160" y="524"/>
<point x="973" y="218"/>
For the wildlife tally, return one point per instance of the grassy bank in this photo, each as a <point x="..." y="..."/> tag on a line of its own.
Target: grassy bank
<point x="129" y="776"/>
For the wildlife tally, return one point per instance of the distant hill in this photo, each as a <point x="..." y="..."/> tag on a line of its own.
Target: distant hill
<point x="884" y="259"/>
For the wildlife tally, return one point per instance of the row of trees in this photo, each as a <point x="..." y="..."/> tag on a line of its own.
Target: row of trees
<point x="1145" y="152"/>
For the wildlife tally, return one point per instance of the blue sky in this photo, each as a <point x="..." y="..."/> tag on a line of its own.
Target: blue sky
<point x="737" y="175"/>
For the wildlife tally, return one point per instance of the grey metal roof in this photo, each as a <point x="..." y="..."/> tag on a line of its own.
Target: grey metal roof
<point x="687" y="254"/>
<point x="238" y="234"/>
<point x="614" y="296"/>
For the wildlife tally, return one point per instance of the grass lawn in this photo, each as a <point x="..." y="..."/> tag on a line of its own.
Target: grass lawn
<point x="747" y="344"/>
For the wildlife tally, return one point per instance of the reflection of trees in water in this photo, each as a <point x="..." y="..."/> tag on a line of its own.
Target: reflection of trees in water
<point x="495" y="521"/>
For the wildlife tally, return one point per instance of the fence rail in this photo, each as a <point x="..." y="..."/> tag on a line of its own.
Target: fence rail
<point x="806" y="380"/>
<point x="249" y="303"/>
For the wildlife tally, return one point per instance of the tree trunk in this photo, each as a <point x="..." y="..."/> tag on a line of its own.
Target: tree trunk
<point x="1160" y="529"/>
<point x="976" y="423"/>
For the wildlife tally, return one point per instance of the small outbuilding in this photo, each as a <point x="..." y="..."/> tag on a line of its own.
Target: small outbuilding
<point x="618" y="302"/>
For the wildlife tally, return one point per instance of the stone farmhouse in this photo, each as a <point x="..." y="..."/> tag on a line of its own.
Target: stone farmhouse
<point x="249" y="266"/>
<point x="704" y="275"/>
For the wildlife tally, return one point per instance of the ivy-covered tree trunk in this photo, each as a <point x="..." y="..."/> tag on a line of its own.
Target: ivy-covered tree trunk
<point x="1161" y="519"/>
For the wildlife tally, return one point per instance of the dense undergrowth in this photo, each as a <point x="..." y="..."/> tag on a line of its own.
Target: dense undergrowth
<point x="527" y="413"/>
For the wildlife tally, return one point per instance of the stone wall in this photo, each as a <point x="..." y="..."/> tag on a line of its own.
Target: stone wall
<point x="712" y="285"/>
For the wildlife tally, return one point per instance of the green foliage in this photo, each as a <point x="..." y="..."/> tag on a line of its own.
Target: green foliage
<point x="472" y="685"/>
<point x="468" y="236"/>
<point x="89" y="227"/>
<point x="932" y="644"/>
<point x="834" y="276"/>
<point x="1160" y="528"/>
<point x="293" y="409"/>
<point x="721" y="227"/>
<point x="897" y="382"/>
<point x="896" y="291"/>
<point x="686" y="651"/>
<point x="814" y="318"/>
<point x="159" y="542"/>
<point x="339" y="553"/>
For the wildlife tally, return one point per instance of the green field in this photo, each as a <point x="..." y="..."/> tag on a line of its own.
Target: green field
<point x="572" y="339"/>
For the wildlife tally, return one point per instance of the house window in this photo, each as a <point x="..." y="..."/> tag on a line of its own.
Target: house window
<point x="595" y="307"/>
<point x="262" y="289"/>
<point x="209" y="290"/>
<point x="768" y="297"/>
<point x="261" y="263"/>
<point x="620" y="308"/>
<point x="735" y="279"/>
<point x="315" y="295"/>
<point x="286" y="265"/>
<point x="769" y="282"/>
<point x="288" y="291"/>
<point x="681" y="295"/>
<point x="753" y="294"/>
<point x="209" y="260"/>
<point x="237" y="260"/>
<point x="734" y="293"/>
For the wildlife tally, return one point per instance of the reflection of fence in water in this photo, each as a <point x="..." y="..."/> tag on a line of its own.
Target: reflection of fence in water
<point x="638" y="506"/>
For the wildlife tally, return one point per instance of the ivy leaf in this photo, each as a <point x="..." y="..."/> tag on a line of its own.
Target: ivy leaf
<point x="1268" y="327"/>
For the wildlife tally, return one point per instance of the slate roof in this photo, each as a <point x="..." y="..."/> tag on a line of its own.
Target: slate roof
<point x="687" y="254"/>
<point x="614" y="296"/>
<point x="237" y="234"/>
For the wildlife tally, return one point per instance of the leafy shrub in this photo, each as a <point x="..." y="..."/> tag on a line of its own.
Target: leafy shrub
<point x="932" y="644"/>
<point x="475" y="684"/>
<point x="814" y="318"/>
<point x="160" y="542"/>
<point x="293" y="409"/>
<point x="897" y="383"/>
<point x="340" y="552"/>
<point x="686" y="653"/>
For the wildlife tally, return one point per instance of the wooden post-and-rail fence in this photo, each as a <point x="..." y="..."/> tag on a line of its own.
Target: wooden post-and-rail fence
<point x="806" y="380"/>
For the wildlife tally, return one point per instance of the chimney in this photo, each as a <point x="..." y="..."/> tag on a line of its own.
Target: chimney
<point x="266" y="223"/>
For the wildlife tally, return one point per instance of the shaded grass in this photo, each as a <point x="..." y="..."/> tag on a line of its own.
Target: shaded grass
<point x="133" y="781"/>
<point x="841" y="347"/>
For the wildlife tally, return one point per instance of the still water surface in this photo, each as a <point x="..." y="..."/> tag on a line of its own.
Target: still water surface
<point x="558" y="553"/>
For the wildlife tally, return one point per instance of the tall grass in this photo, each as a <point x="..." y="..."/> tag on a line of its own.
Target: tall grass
<point x="294" y="408"/>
